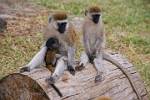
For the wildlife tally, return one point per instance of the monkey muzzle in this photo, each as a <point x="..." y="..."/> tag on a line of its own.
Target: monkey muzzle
<point x="62" y="27"/>
<point x="95" y="18"/>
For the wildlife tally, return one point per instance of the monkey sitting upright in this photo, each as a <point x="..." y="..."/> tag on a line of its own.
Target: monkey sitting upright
<point x="94" y="44"/>
<point x="59" y="27"/>
<point x="94" y="40"/>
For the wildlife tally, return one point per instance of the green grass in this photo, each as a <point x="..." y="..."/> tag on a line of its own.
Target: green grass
<point x="17" y="51"/>
<point x="127" y="25"/>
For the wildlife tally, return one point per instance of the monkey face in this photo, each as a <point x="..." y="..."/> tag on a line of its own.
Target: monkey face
<point x="61" y="27"/>
<point x="95" y="18"/>
<point x="52" y="43"/>
<point x="59" y="21"/>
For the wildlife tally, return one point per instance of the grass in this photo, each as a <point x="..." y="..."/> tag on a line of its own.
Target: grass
<point x="127" y="24"/>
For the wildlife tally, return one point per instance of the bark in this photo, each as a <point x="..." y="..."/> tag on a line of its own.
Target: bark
<point x="78" y="87"/>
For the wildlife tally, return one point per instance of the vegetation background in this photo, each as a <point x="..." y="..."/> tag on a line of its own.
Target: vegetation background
<point x="127" y="25"/>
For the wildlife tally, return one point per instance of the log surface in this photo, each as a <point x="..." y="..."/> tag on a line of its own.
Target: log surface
<point x="82" y="85"/>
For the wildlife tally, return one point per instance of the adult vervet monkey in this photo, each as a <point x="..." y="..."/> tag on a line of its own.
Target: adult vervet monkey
<point x="94" y="44"/>
<point x="94" y="40"/>
<point x="60" y="28"/>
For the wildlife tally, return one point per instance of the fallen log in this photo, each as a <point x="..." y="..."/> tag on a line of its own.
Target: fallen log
<point x="32" y="85"/>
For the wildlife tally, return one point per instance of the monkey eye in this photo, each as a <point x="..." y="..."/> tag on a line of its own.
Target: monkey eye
<point x="62" y="24"/>
<point x="96" y="15"/>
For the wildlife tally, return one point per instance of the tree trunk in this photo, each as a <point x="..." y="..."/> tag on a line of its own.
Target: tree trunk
<point x="32" y="85"/>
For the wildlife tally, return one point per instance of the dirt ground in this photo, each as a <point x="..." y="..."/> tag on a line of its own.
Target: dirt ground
<point x="22" y="17"/>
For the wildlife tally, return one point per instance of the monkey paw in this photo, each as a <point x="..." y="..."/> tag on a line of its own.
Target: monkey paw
<point x="79" y="67"/>
<point x="71" y="70"/>
<point x="99" y="78"/>
<point x="50" y="80"/>
<point x="25" y="69"/>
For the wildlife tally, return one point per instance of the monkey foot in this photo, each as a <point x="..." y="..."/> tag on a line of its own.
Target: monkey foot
<point x="99" y="78"/>
<point x="79" y="67"/>
<point x="71" y="70"/>
<point x="50" y="80"/>
<point x="24" y="69"/>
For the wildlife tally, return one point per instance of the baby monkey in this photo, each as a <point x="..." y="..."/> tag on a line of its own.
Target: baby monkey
<point x="52" y="45"/>
<point x="52" y="49"/>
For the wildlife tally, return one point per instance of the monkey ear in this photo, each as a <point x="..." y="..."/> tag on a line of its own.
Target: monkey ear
<point x="49" y="19"/>
<point x="85" y="12"/>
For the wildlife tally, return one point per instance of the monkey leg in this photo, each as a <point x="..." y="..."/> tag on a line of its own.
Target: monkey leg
<point x="37" y="60"/>
<point x="61" y="66"/>
<point x="83" y="59"/>
<point x="98" y="64"/>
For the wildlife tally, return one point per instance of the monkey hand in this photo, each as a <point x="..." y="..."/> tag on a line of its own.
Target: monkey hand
<point x="71" y="69"/>
<point x="84" y="59"/>
<point x="91" y="57"/>
<point x="25" y="69"/>
<point x="79" y="67"/>
<point x="50" y="80"/>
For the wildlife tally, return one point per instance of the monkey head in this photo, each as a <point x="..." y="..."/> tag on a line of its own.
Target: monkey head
<point x="93" y="13"/>
<point x="60" y="21"/>
<point x="52" y="43"/>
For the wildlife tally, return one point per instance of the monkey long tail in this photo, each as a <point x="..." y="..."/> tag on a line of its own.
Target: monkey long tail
<point x="57" y="90"/>
<point x="107" y="57"/>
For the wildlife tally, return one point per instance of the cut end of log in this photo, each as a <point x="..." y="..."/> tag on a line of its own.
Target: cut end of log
<point x="20" y="87"/>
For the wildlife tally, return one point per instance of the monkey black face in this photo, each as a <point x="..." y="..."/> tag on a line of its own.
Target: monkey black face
<point x="95" y="18"/>
<point x="62" y="27"/>
<point x="52" y="43"/>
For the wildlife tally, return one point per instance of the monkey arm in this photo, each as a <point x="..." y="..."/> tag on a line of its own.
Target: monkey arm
<point x="86" y="44"/>
<point x="71" y="55"/>
<point x="71" y="59"/>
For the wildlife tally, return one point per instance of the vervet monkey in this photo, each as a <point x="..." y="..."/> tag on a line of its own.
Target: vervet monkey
<point x="52" y="45"/>
<point x="59" y="27"/>
<point x="94" y="44"/>
<point x="94" y="40"/>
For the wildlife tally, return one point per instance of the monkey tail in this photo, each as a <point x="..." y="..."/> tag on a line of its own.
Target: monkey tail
<point x="124" y="71"/>
<point x="57" y="90"/>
